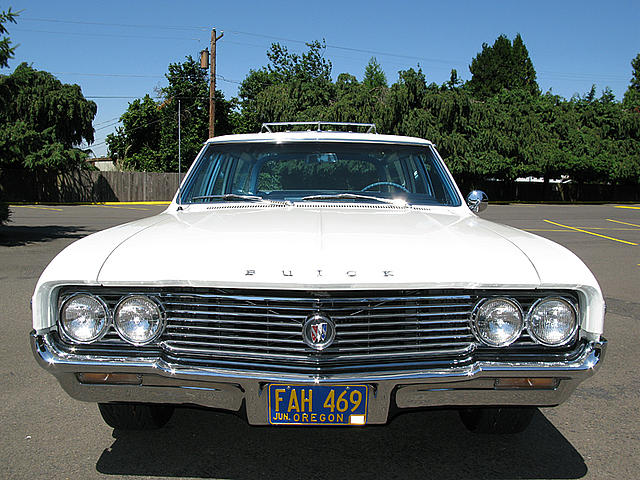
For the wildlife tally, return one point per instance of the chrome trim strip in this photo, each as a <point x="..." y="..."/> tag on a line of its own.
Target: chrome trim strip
<point x="254" y="306"/>
<point x="343" y="355"/>
<point x="319" y="298"/>
<point x="165" y="382"/>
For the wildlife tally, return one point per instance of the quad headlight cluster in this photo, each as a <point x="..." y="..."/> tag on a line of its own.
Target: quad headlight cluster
<point x="498" y="322"/>
<point x="85" y="318"/>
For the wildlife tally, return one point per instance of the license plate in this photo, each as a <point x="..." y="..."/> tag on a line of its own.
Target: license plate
<point x="317" y="404"/>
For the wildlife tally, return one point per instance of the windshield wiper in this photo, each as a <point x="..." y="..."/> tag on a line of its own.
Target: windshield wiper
<point x="231" y="197"/>
<point x="355" y="196"/>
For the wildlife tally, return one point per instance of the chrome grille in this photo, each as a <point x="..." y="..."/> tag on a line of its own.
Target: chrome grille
<point x="271" y="326"/>
<point x="263" y="329"/>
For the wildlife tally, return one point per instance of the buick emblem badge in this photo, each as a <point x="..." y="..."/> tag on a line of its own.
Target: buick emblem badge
<point x="318" y="331"/>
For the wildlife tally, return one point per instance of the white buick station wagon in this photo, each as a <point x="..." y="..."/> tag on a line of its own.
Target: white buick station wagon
<point x="318" y="278"/>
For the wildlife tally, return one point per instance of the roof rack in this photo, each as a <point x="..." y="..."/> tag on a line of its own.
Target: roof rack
<point x="266" y="127"/>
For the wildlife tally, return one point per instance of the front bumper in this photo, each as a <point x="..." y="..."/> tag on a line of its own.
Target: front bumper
<point x="478" y="384"/>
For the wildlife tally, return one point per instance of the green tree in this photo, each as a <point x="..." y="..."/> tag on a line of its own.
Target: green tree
<point x="454" y="81"/>
<point x="632" y="95"/>
<point x="6" y="50"/>
<point x="42" y="121"/>
<point x="148" y="137"/>
<point x="139" y="134"/>
<point x="503" y="130"/>
<point x="291" y="87"/>
<point x="374" y="76"/>
<point x="504" y="65"/>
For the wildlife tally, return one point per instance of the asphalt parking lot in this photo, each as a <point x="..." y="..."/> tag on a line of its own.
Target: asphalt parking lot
<point x="596" y="434"/>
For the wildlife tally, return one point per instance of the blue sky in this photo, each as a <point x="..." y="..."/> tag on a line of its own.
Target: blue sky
<point x="122" y="48"/>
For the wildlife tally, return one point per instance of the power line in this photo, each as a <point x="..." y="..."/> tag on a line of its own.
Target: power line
<point x="124" y="75"/>
<point x="130" y="130"/>
<point x="124" y="97"/>
<point x="128" y="25"/>
<point x="106" y="126"/>
<point x="136" y="75"/>
<point x="106" y="121"/>
<point x="108" y="35"/>
<point x="237" y="32"/>
<point x="349" y="49"/>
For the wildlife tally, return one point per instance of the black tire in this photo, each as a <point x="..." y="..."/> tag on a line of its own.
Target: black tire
<point x="497" y="420"/>
<point x="135" y="416"/>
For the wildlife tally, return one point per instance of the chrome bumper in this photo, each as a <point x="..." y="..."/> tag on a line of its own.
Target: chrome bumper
<point x="162" y="382"/>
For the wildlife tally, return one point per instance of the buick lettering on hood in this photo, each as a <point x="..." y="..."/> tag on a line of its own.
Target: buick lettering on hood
<point x="306" y="275"/>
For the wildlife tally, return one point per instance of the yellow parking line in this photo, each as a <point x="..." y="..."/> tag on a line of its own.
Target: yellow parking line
<point x="623" y="223"/>
<point x="113" y="206"/>
<point x="37" y="208"/>
<point x="591" y="233"/>
<point x="590" y="228"/>
<point x="163" y="202"/>
<point x="625" y="206"/>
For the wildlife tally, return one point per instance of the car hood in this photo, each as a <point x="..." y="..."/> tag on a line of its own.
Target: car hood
<point x="327" y="247"/>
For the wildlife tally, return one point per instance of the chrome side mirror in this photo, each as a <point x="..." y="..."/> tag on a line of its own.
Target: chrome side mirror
<point x="477" y="201"/>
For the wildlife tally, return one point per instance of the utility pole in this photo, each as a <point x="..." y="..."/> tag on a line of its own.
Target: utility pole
<point x="210" y="61"/>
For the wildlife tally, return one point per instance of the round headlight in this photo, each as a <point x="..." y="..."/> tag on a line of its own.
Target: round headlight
<point x="552" y="321"/>
<point x="84" y="318"/>
<point x="497" y="322"/>
<point x="138" y="319"/>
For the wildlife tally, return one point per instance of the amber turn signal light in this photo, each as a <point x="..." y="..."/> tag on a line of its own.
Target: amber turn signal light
<point x="527" y="382"/>
<point x="110" y="378"/>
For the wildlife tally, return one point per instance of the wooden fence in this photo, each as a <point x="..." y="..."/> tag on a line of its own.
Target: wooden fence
<point x="88" y="186"/>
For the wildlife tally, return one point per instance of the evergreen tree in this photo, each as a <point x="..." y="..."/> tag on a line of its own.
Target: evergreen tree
<point x="42" y="121"/>
<point x="291" y="87"/>
<point x="6" y="50"/>
<point x="498" y="130"/>
<point x="374" y="76"/>
<point x="632" y="95"/>
<point x="502" y="66"/>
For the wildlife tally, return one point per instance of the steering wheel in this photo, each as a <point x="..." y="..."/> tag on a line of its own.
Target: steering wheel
<point x="397" y="185"/>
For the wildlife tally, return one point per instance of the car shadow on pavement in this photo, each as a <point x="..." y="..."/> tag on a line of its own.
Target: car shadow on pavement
<point x="428" y="444"/>
<point x="19" y="235"/>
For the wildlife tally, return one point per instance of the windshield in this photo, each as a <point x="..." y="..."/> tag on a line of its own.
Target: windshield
<point x="320" y="171"/>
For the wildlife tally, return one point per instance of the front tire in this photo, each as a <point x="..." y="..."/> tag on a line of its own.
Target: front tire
<point x="497" y="420"/>
<point x="135" y="416"/>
